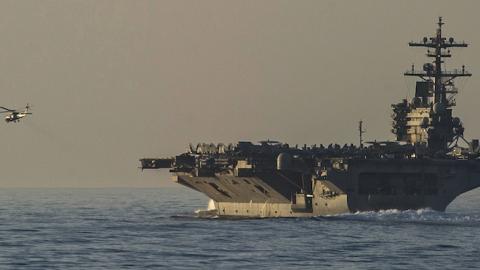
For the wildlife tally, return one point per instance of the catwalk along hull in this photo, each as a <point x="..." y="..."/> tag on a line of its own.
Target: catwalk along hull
<point x="359" y="185"/>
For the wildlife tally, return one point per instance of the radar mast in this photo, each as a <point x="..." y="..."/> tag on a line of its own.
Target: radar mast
<point x="428" y="118"/>
<point x="443" y="79"/>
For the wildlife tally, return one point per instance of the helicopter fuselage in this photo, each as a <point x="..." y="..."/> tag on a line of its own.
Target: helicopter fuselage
<point x="14" y="117"/>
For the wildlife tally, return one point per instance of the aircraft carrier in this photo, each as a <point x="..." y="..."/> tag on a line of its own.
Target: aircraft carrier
<point x="428" y="165"/>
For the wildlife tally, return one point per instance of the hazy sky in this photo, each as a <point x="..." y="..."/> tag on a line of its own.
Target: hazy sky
<point x="113" y="81"/>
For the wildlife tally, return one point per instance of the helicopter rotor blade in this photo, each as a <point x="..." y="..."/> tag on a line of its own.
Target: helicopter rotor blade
<point x="7" y="109"/>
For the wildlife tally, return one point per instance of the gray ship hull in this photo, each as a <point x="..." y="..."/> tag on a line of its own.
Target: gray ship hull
<point x="425" y="167"/>
<point x="359" y="185"/>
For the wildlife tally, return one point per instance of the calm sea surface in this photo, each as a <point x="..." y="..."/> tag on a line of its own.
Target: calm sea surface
<point x="157" y="229"/>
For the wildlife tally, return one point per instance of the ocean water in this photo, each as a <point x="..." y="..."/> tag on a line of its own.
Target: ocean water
<point x="157" y="229"/>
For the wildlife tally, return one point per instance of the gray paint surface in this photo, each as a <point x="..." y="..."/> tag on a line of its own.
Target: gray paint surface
<point x="112" y="81"/>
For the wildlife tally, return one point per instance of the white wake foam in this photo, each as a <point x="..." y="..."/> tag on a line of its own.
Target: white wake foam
<point x="420" y="215"/>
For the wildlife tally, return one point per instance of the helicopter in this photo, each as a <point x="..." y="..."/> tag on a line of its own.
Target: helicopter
<point x="14" y="115"/>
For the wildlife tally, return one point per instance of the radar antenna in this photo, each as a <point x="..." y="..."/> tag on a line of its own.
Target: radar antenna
<point x="442" y="78"/>
<point x="361" y="131"/>
<point x="441" y="89"/>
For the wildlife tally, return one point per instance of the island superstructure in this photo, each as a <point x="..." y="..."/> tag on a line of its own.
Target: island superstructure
<point x="426" y="167"/>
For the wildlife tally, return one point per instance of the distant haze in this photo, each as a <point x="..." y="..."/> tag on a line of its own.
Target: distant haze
<point x="114" y="81"/>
